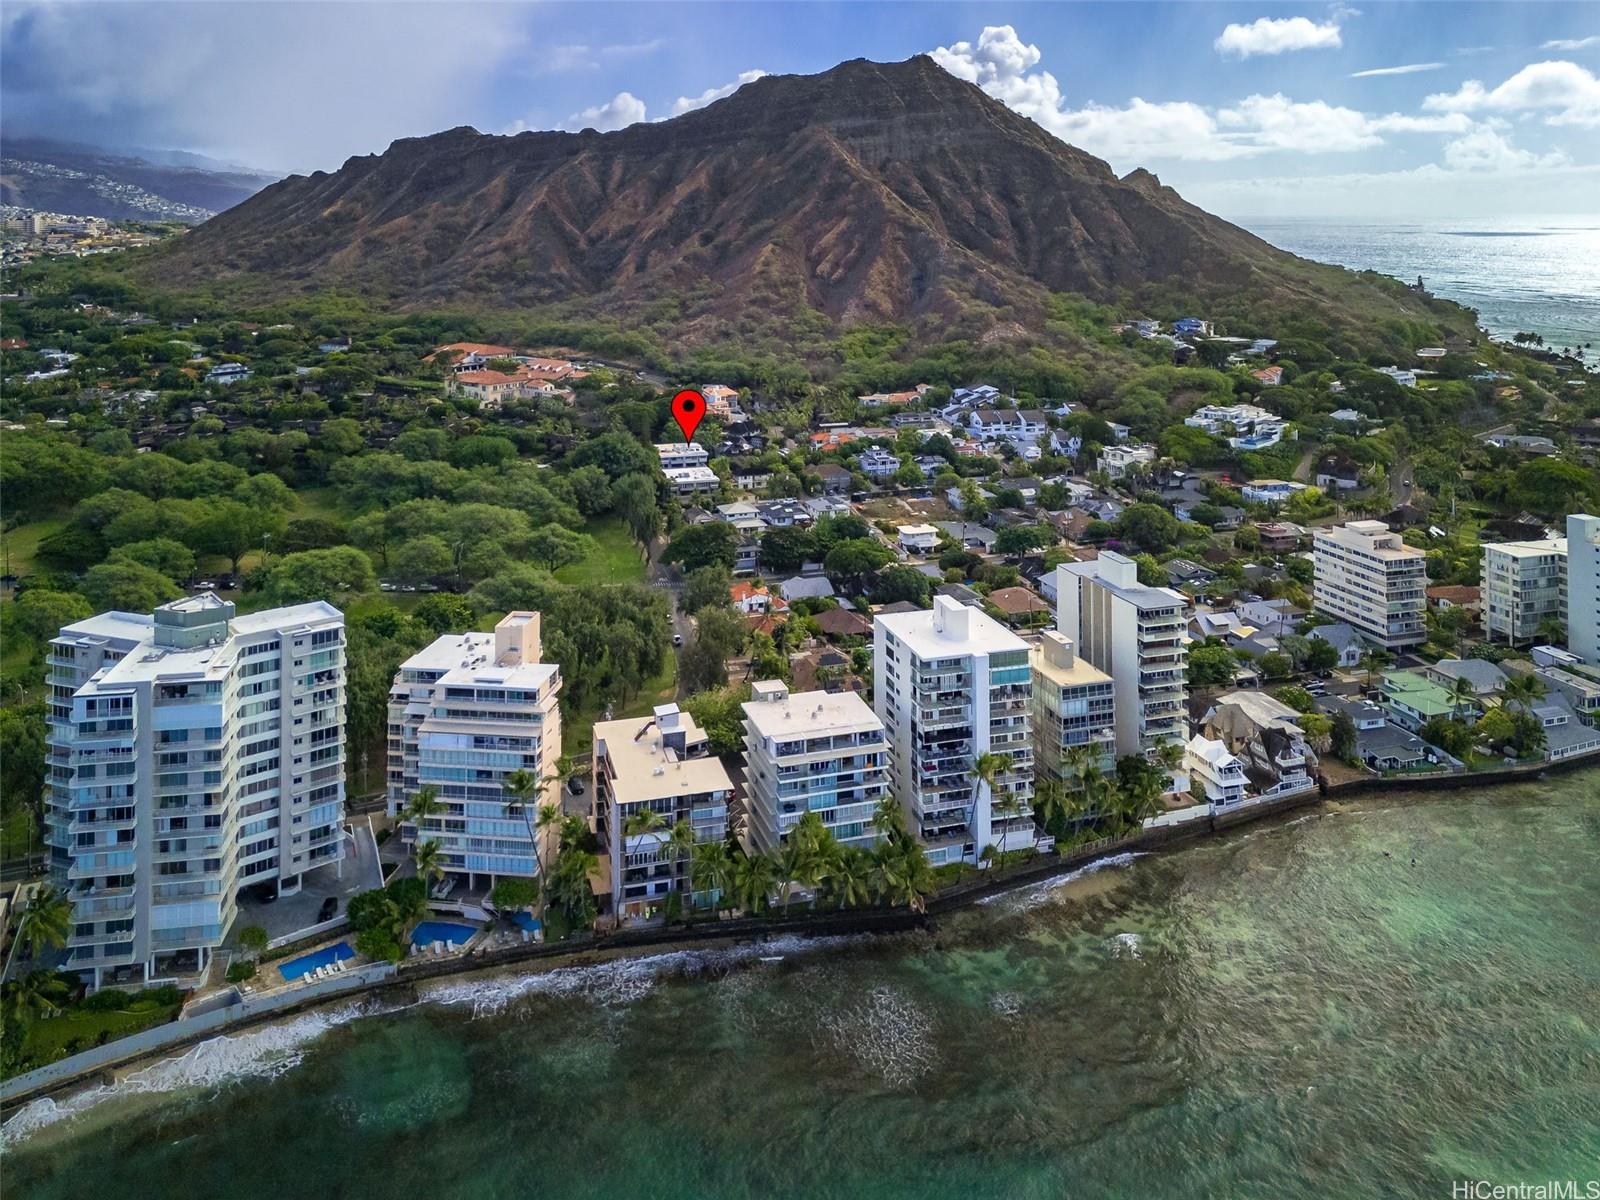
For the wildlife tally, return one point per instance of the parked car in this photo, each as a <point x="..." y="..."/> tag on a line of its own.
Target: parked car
<point x="575" y="786"/>
<point x="330" y="906"/>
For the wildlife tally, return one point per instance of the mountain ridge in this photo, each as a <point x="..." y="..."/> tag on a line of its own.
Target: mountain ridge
<point x="871" y="193"/>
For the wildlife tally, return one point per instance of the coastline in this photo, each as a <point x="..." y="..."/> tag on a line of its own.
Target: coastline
<point x="748" y="934"/>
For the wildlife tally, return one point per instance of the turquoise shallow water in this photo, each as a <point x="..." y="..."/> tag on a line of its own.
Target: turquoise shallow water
<point x="1282" y="1013"/>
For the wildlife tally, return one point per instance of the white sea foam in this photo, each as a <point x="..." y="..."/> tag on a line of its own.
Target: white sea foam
<point x="1042" y="893"/>
<point x="1124" y="945"/>
<point x="619" y="982"/>
<point x="887" y="1034"/>
<point x="264" y="1052"/>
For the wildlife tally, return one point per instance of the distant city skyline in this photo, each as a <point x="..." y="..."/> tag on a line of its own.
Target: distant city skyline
<point x="1405" y="110"/>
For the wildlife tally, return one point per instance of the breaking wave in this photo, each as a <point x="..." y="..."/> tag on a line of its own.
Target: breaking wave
<point x="261" y="1053"/>
<point x="622" y="981"/>
<point x="887" y="1034"/>
<point x="1042" y="893"/>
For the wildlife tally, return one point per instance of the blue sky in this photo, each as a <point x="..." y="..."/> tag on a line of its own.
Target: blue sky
<point x="1411" y="110"/>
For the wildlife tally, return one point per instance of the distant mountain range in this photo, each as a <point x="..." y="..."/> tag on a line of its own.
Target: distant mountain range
<point x="138" y="185"/>
<point x="872" y="192"/>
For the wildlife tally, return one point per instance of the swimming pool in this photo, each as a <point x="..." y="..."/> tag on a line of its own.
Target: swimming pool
<point x="441" y="931"/>
<point x="306" y="963"/>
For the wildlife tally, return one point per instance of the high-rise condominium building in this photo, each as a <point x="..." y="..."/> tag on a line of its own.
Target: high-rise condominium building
<point x="953" y="685"/>
<point x="1135" y="634"/>
<point x="821" y="752"/>
<point x="464" y="713"/>
<point x="1524" y="583"/>
<point x="1369" y="578"/>
<point x="660" y="765"/>
<point x="1583" y="587"/>
<point x="1074" y="708"/>
<point x="192" y="753"/>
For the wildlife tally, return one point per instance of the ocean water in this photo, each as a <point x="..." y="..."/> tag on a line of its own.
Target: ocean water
<point x="1540" y="274"/>
<point x="1366" y="1000"/>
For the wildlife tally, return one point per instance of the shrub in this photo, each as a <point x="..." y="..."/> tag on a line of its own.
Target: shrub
<point x="239" y="971"/>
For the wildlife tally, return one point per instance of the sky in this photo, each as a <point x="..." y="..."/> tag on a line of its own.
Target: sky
<point x="1365" y="111"/>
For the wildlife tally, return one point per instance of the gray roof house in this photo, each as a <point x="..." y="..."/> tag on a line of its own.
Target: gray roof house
<point x="1343" y="638"/>
<point x="806" y="587"/>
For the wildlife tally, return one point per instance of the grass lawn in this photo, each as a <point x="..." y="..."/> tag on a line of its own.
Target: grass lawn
<point x="617" y="557"/>
<point x="19" y="545"/>
<point x="577" y="734"/>
<point x="50" y="1038"/>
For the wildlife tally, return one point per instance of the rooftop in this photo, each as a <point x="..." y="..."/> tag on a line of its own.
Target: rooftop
<point x="644" y="770"/>
<point x="810" y="714"/>
<point x="950" y="629"/>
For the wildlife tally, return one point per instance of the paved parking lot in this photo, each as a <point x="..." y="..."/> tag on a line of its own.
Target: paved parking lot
<point x="358" y="872"/>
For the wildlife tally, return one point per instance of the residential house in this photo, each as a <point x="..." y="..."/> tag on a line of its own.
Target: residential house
<point x="1401" y="376"/>
<point x="806" y="587"/>
<point x="1213" y="772"/>
<point x="1412" y="700"/>
<point x="1019" y="606"/>
<point x="690" y="481"/>
<point x="835" y="479"/>
<point x="1116" y="461"/>
<point x="754" y="598"/>
<point x="970" y="534"/>
<point x="1337" y="472"/>
<point x="1265" y="734"/>
<point x="1485" y="677"/>
<point x="918" y="539"/>
<point x="682" y="454"/>
<point x="1245" y="426"/>
<point x="1268" y="376"/>
<point x="228" y="373"/>
<point x="1279" y="537"/>
<point x="877" y="463"/>
<point x="1270" y="491"/>
<point x="1345" y="639"/>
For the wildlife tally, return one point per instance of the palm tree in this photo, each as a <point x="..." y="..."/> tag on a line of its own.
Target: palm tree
<point x="1522" y="690"/>
<point x="985" y="771"/>
<point x="852" y="876"/>
<point x="1462" y="696"/>
<point x="424" y="804"/>
<point x="1008" y="805"/>
<point x="711" y="868"/>
<point x="904" y="875"/>
<point x="681" y="842"/>
<point x="427" y="860"/>
<point x="888" y="818"/>
<point x="754" y="877"/>
<point x="38" y="993"/>
<point x="1373" y="660"/>
<point x="520" y="787"/>
<point x="641" y="822"/>
<point x="1049" y="801"/>
<point x="45" y="923"/>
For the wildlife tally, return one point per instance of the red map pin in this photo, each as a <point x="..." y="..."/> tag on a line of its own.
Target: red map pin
<point x="688" y="408"/>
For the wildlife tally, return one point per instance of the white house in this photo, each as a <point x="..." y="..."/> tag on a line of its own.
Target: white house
<point x="1270" y="491"/>
<point x="878" y="463"/>
<point x="1115" y="460"/>
<point x="1246" y="426"/>
<point x="686" y="481"/>
<point x="1401" y="376"/>
<point x="919" y="539"/>
<point x="1219" y="774"/>
<point x="682" y="454"/>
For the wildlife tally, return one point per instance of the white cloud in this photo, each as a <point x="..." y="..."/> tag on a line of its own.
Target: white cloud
<point x="1277" y="35"/>
<point x="685" y="104"/>
<point x="249" y="82"/>
<point x="1004" y="66"/>
<point x="1486" y="150"/>
<point x="619" y="112"/>
<point x="1407" y="69"/>
<point x="1567" y="92"/>
<point x="1571" y="43"/>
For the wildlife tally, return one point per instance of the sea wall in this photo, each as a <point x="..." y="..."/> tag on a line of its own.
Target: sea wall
<point x="590" y="950"/>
